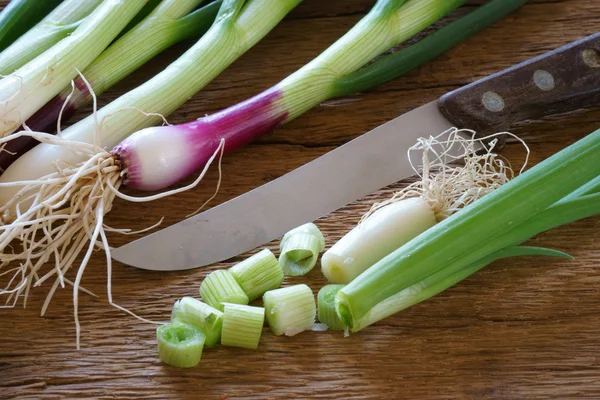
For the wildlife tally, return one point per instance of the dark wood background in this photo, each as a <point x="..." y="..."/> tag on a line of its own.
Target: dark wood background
<point x="520" y="329"/>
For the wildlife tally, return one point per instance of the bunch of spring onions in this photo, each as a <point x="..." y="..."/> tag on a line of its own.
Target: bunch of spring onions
<point x="80" y="190"/>
<point x="441" y="190"/>
<point x="559" y="190"/>
<point x="25" y="90"/>
<point x="170" y="21"/>
<point x="238" y="26"/>
<point x="19" y="16"/>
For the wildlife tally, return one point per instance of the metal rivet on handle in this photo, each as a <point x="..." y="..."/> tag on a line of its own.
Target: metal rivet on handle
<point x="492" y="101"/>
<point x="591" y="58"/>
<point x="543" y="79"/>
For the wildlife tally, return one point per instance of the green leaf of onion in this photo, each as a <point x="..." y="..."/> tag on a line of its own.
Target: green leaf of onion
<point x="441" y="281"/>
<point x="56" y="26"/>
<point x="19" y="16"/>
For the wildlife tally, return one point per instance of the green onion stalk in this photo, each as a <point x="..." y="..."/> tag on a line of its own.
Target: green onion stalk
<point x="56" y="26"/>
<point x="537" y="200"/>
<point x="582" y="203"/>
<point x="19" y="16"/>
<point x="170" y="22"/>
<point x="27" y="89"/>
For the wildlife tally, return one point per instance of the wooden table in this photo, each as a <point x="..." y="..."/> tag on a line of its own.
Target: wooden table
<point x="521" y="328"/>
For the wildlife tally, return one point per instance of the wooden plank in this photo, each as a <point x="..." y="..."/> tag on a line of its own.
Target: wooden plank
<point x="522" y="328"/>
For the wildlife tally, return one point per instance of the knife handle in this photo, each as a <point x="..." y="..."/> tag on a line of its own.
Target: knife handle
<point x="559" y="81"/>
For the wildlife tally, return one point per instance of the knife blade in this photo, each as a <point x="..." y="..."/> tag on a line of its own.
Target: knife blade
<point x="246" y="221"/>
<point x="556" y="82"/>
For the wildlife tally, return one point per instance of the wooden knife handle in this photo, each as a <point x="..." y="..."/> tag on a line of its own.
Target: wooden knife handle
<point x="559" y="81"/>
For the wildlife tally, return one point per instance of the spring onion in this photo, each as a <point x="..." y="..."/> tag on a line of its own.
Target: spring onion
<point x="34" y="174"/>
<point x="179" y="345"/>
<point x="238" y="26"/>
<point x="27" y="89"/>
<point x="290" y="310"/>
<point x="221" y="287"/>
<point x="258" y="274"/>
<point x="19" y="16"/>
<point x="442" y="190"/>
<point x="474" y="232"/>
<point x="56" y="26"/>
<point x="242" y="325"/>
<point x="326" y="307"/>
<point x="300" y="249"/>
<point x="207" y="319"/>
<point x="168" y="24"/>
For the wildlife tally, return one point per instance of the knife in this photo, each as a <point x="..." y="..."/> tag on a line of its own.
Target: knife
<point x="559" y="81"/>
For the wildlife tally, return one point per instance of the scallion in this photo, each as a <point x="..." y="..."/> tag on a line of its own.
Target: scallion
<point x="487" y="226"/>
<point x="290" y="310"/>
<point x="207" y="319"/>
<point x="242" y="325"/>
<point x="221" y="287"/>
<point x="441" y="190"/>
<point x="258" y="274"/>
<point x="300" y="249"/>
<point x="179" y="345"/>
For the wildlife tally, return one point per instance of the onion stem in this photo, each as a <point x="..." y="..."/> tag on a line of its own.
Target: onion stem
<point x="56" y="26"/>
<point x="25" y="90"/>
<point x="19" y="16"/>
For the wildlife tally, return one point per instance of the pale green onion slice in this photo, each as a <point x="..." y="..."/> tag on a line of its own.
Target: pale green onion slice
<point x="300" y="249"/>
<point x="258" y="273"/>
<point x="290" y="310"/>
<point x="242" y="325"/>
<point x="221" y="287"/>
<point x="201" y="316"/>
<point x="179" y="345"/>
<point x="326" y="307"/>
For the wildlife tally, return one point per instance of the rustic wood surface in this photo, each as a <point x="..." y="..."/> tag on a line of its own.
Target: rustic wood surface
<point x="520" y="329"/>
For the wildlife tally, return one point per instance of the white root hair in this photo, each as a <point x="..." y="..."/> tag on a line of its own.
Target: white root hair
<point x="448" y="187"/>
<point x="54" y="217"/>
<point x="67" y="211"/>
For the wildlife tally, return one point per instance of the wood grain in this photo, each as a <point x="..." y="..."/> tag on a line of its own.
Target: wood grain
<point x="520" y="329"/>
